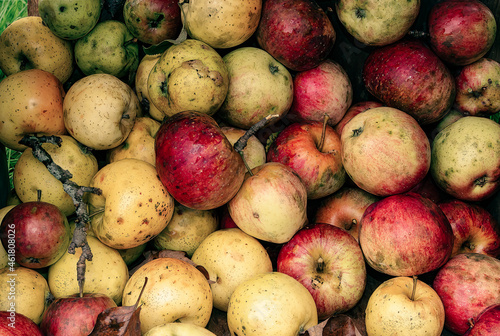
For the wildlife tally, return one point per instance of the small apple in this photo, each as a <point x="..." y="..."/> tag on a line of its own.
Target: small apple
<point x="141" y="86"/>
<point x="175" y="328"/>
<point x="16" y="324"/>
<point x="487" y="323"/>
<point x="132" y="254"/>
<point x="353" y="110"/>
<point x="428" y="188"/>
<point x="254" y="152"/>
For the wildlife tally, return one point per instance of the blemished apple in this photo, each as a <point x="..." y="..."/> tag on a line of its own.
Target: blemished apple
<point x="467" y="284"/>
<point x="353" y="110"/>
<point x="401" y="305"/>
<point x="141" y="87"/>
<point x="314" y="151"/>
<point x="254" y="152"/>
<point x="16" y="324"/>
<point x="329" y="262"/>
<point x="461" y="31"/>
<point x="487" y="323"/>
<point x="297" y="33"/>
<point x="405" y="235"/>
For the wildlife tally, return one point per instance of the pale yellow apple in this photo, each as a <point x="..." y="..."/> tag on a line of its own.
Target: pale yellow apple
<point x="141" y="86"/>
<point x="176" y="328"/>
<point x="4" y="256"/>
<point x="254" y="152"/>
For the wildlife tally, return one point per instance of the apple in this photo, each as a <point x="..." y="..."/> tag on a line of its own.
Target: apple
<point x="313" y="151"/>
<point x="465" y="159"/>
<point x="100" y="111"/>
<point x="16" y="324"/>
<point x="254" y="152"/>
<point x="422" y="86"/>
<point x="487" y="323"/>
<point x="27" y="43"/>
<point x="329" y="262"/>
<point x="461" y="31"/>
<point x="132" y="254"/>
<point x="353" y="110"/>
<point x="259" y="86"/>
<point x="323" y="90"/>
<point x="467" y="284"/>
<point x="74" y="314"/>
<point x="141" y="86"/>
<point x="176" y="291"/>
<point x="401" y="305"/>
<point x="31" y="101"/>
<point x="152" y="21"/>
<point x="428" y="188"/>
<point x="448" y="119"/>
<point x="197" y="164"/>
<point x="175" y="328"/>
<point x="344" y="208"/>
<point x="385" y="151"/>
<point x="405" y="235"/>
<point x="297" y="33"/>
<point x="271" y="303"/>
<point x="478" y="88"/>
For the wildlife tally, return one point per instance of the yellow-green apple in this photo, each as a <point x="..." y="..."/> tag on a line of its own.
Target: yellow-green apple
<point x="478" y="88"/>
<point x="474" y="228"/>
<point x="141" y="86"/>
<point x="372" y="143"/>
<point x="133" y="206"/>
<point x="70" y="19"/>
<point x="271" y="205"/>
<point x="130" y="255"/>
<point x="448" y="119"/>
<point x="405" y="235"/>
<point x="328" y="261"/>
<point x="344" y="208"/>
<point x="230" y="257"/>
<point x="108" y="48"/>
<point x="353" y="110"/>
<point x="466" y="158"/>
<point x="176" y="291"/>
<point x="403" y="305"/>
<point x="259" y="86"/>
<point x="189" y="75"/>
<point x="221" y="24"/>
<point x="422" y="86"/>
<point x="297" y="33"/>
<point x="467" y="284"/>
<point x="313" y="150"/>
<point x="175" y="328"/>
<point x="100" y="111"/>
<point x="196" y="162"/>
<point x="31" y="175"/>
<point x="323" y="90"/>
<point x="461" y="31"/>
<point x="377" y="23"/>
<point x="16" y="324"/>
<point x="74" y="314"/>
<point x="140" y="143"/>
<point x="27" y="43"/>
<point x="106" y="273"/>
<point x="487" y="323"/>
<point x="271" y="303"/>
<point x="254" y="152"/>
<point x="153" y="21"/>
<point x="187" y="229"/>
<point x="31" y="101"/>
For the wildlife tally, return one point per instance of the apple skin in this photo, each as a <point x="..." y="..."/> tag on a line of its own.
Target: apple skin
<point x="196" y="162"/>
<point x="297" y="33"/>
<point x="423" y="86"/>
<point x="478" y="88"/>
<point x="467" y="284"/>
<point x="320" y="169"/>
<point x="328" y="261"/>
<point x="461" y="31"/>
<point x="16" y="324"/>
<point x="405" y="235"/>
<point x="254" y="152"/>
<point x="354" y="110"/>
<point x="487" y="323"/>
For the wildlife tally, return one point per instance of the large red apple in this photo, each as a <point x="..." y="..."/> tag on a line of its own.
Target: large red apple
<point x="405" y="235"/>
<point x="15" y="324"/>
<point x="407" y="75"/>
<point x="487" y="323"/>
<point x="461" y="31"/>
<point x="196" y="162"/>
<point x="353" y="110"/>
<point x="467" y="284"/>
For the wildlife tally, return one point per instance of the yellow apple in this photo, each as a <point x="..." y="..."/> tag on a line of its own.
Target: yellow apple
<point x="254" y="152"/>
<point x="141" y="86"/>
<point x="175" y="328"/>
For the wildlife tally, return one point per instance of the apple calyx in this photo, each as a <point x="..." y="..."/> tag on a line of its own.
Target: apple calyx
<point x="320" y="265"/>
<point x="360" y="13"/>
<point x="357" y="132"/>
<point x="480" y="182"/>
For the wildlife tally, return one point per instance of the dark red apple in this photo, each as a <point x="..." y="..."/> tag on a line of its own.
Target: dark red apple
<point x="461" y="31"/>
<point x="38" y="231"/>
<point x="428" y="188"/>
<point x="353" y="110"/>
<point x="487" y="323"/>
<point x="405" y="235"/>
<point x="74" y="315"/>
<point x="297" y="33"/>
<point x="467" y="284"/>
<point x="407" y="75"/>
<point x="225" y="221"/>
<point x="314" y="153"/>
<point x="196" y="162"/>
<point x="15" y="324"/>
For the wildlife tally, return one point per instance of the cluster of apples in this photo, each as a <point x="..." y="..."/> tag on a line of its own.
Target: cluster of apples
<point x="158" y="107"/>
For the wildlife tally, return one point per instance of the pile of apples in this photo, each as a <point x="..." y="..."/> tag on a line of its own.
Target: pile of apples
<point x="235" y="165"/>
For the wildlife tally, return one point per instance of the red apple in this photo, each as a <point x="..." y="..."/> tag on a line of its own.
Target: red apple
<point x="74" y="315"/>
<point x="328" y="261"/>
<point x="15" y="324"/>
<point x="225" y="221"/>
<point x="407" y="75"/>
<point x="38" y="231"/>
<point x="467" y="284"/>
<point x="461" y="31"/>
<point x="474" y="228"/>
<point x="405" y="235"/>
<point x="196" y="162"/>
<point x="355" y="109"/>
<point x="487" y="323"/>
<point x="297" y="33"/>
<point x="428" y="188"/>
<point x="314" y="153"/>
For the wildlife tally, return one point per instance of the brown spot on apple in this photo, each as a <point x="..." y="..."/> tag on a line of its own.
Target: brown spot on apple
<point x="119" y="221"/>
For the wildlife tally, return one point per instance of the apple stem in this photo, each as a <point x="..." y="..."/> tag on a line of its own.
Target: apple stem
<point x="39" y="195"/>
<point x="414" y="290"/>
<point x="323" y="133"/>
